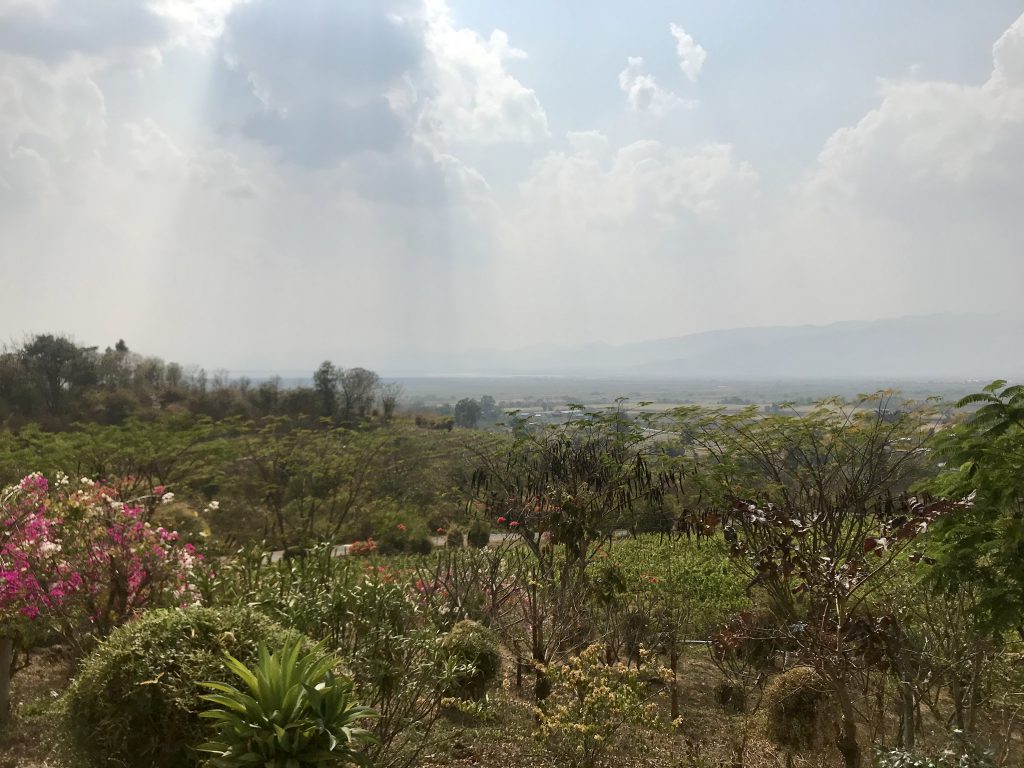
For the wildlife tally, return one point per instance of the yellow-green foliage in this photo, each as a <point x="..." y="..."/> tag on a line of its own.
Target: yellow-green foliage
<point x="590" y="701"/>
<point x="693" y="583"/>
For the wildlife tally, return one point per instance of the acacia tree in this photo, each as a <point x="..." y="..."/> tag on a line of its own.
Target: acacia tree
<point x="358" y="390"/>
<point x="813" y="507"/>
<point x="307" y="481"/>
<point x="560" y="488"/>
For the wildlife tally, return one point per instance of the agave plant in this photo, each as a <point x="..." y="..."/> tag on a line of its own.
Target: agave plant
<point x="293" y="713"/>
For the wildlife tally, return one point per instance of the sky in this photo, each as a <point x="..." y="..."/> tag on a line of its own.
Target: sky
<point x="265" y="184"/>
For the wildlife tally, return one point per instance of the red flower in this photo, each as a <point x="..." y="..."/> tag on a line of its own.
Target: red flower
<point x="514" y="524"/>
<point x="440" y="530"/>
<point x="401" y="527"/>
<point x="501" y="520"/>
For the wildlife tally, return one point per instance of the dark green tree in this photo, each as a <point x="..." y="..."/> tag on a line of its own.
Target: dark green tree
<point x="325" y="382"/>
<point x="358" y="389"/>
<point x="61" y="367"/>
<point x="467" y="413"/>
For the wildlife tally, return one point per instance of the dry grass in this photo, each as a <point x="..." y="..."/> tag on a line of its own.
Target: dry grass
<point x="27" y="742"/>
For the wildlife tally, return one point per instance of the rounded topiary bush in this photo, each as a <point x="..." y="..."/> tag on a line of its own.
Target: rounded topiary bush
<point x="479" y="534"/>
<point x="454" y="539"/>
<point x="474" y="645"/>
<point x="796" y="707"/>
<point x="135" y="702"/>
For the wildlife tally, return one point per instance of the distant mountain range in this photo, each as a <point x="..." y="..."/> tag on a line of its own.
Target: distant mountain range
<point x="942" y="346"/>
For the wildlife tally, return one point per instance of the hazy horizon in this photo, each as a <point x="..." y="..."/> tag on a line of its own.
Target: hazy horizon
<point x="918" y="348"/>
<point x="263" y="184"/>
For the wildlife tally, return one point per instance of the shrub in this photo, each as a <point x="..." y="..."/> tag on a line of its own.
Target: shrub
<point x="75" y="557"/>
<point x="363" y="548"/>
<point x="136" y="700"/>
<point x="402" y="538"/>
<point x="479" y="534"/>
<point x="475" y="648"/>
<point x="294" y="713"/>
<point x="751" y="638"/>
<point x="419" y="544"/>
<point x="796" y="710"/>
<point x="589" y="703"/>
<point x="454" y="538"/>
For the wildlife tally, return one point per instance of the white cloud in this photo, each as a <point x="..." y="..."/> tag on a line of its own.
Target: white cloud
<point x="644" y="95"/>
<point x="470" y="95"/>
<point x="198" y="21"/>
<point x="691" y="54"/>
<point x="928" y="143"/>
<point x="53" y="120"/>
<point x="1008" y="55"/>
<point x="588" y="143"/>
<point x="909" y="208"/>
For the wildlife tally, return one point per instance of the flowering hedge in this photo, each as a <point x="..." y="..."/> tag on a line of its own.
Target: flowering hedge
<point x="79" y="558"/>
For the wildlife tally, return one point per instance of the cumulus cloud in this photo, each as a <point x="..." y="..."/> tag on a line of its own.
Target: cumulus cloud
<point x="923" y="190"/>
<point x="691" y="54"/>
<point x="644" y="95"/>
<point x="53" y="120"/>
<point x="319" y="72"/>
<point x="375" y="87"/>
<point x="471" y="97"/>
<point x="930" y="144"/>
<point x="1008" y="55"/>
<point x="55" y="30"/>
<point x="645" y="183"/>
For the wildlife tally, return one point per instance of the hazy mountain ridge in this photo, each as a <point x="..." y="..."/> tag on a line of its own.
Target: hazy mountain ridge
<point x="921" y="346"/>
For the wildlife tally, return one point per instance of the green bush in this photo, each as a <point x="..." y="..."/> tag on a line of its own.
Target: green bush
<point x="479" y="534"/>
<point x="293" y="713"/>
<point x="136" y="700"/>
<point x="420" y="544"/>
<point x="401" y="538"/>
<point x="454" y="540"/>
<point x="796" y="710"/>
<point x="475" y="647"/>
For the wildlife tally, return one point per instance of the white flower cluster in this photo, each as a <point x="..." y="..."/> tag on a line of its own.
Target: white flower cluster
<point x="167" y="498"/>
